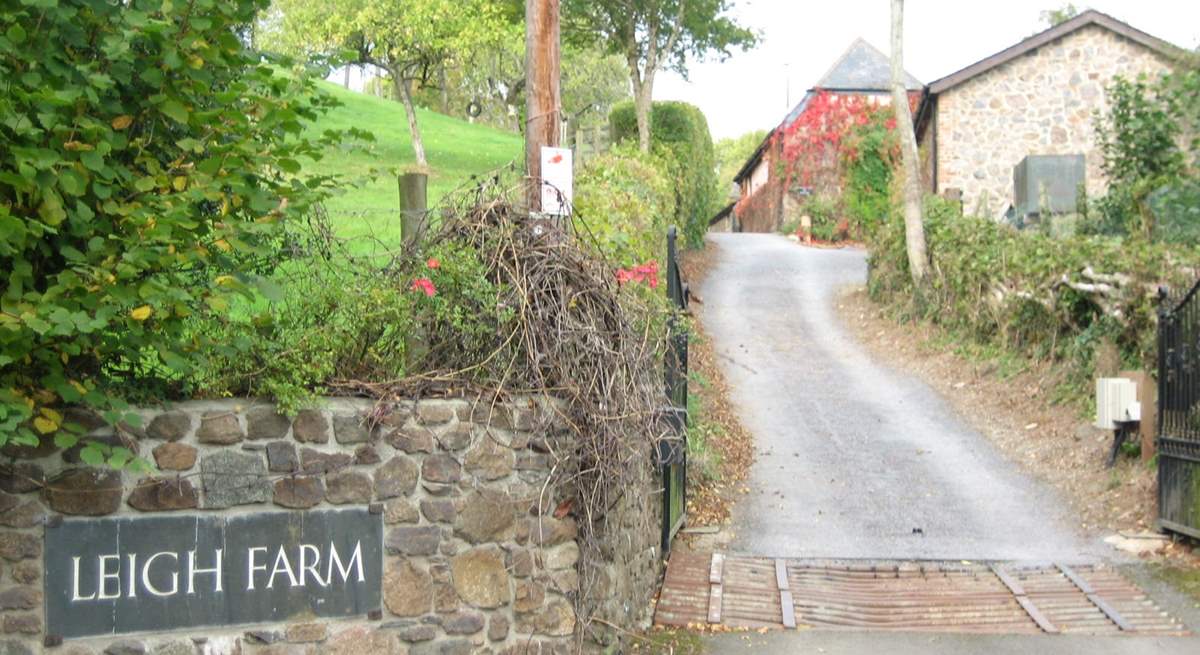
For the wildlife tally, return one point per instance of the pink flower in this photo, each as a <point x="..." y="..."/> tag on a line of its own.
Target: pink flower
<point x="424" y="285"/>
<point x="647" y="273"/>
<point x="433" y="263"/>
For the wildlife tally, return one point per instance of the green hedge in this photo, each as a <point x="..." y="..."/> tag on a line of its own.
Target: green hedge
<point x="625" y="199"/>
<point x="1010" y="289"/>
<point x="679" y="132"/>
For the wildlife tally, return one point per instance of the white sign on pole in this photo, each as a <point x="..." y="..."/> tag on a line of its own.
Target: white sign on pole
<point x="557" y="181"/>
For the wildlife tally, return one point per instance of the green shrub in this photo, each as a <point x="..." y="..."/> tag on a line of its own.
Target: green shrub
<point x="624" y="201"/>
<point x="1013" y="289"/>
<point x="823" y="211"/>
<point x="348" y="320"/>
<point x="148" y="171"/>
<point x="1147" y="139"/>
<point x="323" y="325"/>
<point x="679" y="132"/>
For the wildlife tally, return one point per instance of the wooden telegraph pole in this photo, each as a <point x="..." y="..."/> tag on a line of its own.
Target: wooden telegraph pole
<point x="543" y="108"/>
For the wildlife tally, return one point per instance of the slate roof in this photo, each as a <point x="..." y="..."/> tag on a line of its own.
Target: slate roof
<point x="861" y="68"/>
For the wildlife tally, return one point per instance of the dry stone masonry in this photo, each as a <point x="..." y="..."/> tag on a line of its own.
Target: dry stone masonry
<point x="475" y="557"/>
<point x="1041" y="103"/>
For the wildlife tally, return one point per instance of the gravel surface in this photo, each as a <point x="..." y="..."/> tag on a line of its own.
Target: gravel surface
<point x="855" y="459"/>
<point x="1015" y="411"/>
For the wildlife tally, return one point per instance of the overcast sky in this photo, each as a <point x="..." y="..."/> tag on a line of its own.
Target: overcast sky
<point x="802" y="38"/>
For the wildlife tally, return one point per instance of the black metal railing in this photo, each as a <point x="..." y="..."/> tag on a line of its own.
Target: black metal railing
<point x="672" y="452"/>
<point x="1178" y="442"/>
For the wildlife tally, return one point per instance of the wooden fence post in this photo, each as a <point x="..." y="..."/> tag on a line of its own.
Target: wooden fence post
<point x="1147" y="395"/>
<point x="413" y="208"/>
<point x="413" y="224"/>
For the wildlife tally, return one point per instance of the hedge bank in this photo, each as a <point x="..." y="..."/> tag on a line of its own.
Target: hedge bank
<point x="679" y="132"/>
<point x="1032" y="294"/>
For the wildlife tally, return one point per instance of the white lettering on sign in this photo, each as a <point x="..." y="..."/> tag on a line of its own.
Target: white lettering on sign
<point x="106" y="575"/>
<point x="282" y="564"/>
<point x="75" y="582"/>
<point x="251" y="567"/>
<point x="192" y="571"/>
<point x="160" y="573"/>
<point x="356" y="557"/>
<point x="146" y="575"/>
<point x="130" y="575"/>
<point x="306" y="567"/>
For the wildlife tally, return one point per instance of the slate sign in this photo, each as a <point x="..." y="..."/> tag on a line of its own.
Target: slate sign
<point x="129" y="574"/>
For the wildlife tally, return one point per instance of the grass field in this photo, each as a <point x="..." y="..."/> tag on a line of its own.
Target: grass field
<point x="456" y="150"/>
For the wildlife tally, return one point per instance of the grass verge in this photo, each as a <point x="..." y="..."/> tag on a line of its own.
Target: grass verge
<point x="456" y="150"/>
<point x="1184" y="578"/>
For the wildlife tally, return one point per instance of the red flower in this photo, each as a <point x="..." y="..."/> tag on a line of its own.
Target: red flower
<point x="433" y="263"/>
<point x="890" y="124"/>
<point x="647" y="273"/>
<point x="424" y="285"/>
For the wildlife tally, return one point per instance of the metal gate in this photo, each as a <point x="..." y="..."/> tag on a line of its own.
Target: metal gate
<point x="672" y="453"/>
<point x="1179" y="413"/>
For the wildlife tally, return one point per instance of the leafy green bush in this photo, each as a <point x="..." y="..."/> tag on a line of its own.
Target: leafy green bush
<point x="1029" y="293"/>
<point x="680" y="133"/>
<point x="1149" y="143"/>
<point x="149" y="165"/>
<point x="624" y="201"/>
<point x="823" y="211"/>
<point x="343" y="320"/>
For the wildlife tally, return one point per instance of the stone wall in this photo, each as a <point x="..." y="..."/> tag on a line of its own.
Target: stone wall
<point x="1041" y="103"/>
<point x="475" y="559"/>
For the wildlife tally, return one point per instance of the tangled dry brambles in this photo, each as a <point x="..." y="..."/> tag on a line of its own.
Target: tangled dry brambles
<point x="573" y="335"/>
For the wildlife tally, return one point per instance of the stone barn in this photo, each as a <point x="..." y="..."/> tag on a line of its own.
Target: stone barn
<point x="1037" y="97"/>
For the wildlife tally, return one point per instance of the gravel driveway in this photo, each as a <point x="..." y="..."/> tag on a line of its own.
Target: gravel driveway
<point x="856" y="460"/>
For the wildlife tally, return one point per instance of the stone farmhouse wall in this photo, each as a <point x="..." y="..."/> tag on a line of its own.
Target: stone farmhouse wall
<point x="474" y="559"/>
<point x="1041" y="103"/>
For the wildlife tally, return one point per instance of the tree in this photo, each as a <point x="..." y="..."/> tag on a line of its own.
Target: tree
<point x="492" y="74"/>
<point x="732" y="153"/>
<point x="593" y="81"/>
<point x="914" y="224"/>
<point x="409" y="40"/>
<point x="1052" y="17"/>
<point x="1147" y="143"/>
<point x="654" y="35"/>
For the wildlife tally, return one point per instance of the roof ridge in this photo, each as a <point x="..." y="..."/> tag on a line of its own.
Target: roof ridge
<point x="910" y="80"/>
<point x="840" y="58"/>
<point x="1053" y="33"/>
